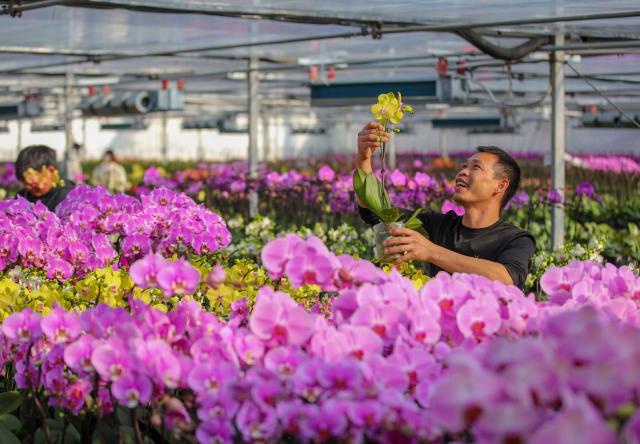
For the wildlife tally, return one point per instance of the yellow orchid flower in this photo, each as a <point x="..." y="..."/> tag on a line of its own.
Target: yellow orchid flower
<point x="9" y="293"/>
<point x="390" y="109"/>
<point x="386" y="109"/>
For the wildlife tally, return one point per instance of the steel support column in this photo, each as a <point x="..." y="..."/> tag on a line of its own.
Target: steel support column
<point x="393" y="147"/>
<point x="165" y="137"/>
<point x="68" y="121"/>
<point x="254" y="114"/>
<point x="558" y="140"/>
<point x="201" y="153"/>
<point x="19" y="138"/>
<point x="266" y="136"/>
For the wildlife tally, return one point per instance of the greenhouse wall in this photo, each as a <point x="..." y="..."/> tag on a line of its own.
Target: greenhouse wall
<point x="282" y="140"/>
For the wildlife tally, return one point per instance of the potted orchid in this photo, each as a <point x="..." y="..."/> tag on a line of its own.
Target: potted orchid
<point x="388" y="111"/>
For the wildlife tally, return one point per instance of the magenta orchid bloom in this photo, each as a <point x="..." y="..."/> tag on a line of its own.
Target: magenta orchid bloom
<point x="179" y="277"/>
<point x="277" y="318"/>
<point x="61" y="326"/>
<point x="22" y="327"/>
<point x="132" y="390"/>
<point x="144" y="272"/>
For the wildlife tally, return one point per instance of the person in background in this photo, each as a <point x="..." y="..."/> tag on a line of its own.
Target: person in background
<point x="37" y="169"/>
<point x="110" y="174"/>
<point x="72" y="163"/>
<point x="479" y="242"/>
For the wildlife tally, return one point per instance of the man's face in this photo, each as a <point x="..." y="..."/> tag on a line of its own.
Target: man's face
<point x="39" y="183"/>
<point x="476" y="181"/>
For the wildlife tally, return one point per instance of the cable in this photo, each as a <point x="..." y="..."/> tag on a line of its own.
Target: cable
<point x="620" y="110"/>
<point x="509" y="105"/>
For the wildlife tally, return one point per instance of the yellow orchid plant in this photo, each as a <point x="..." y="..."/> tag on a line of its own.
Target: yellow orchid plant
<point x="388" y="111"/>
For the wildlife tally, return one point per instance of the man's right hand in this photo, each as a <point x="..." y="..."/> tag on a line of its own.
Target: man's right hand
<point x="369" y="139"/>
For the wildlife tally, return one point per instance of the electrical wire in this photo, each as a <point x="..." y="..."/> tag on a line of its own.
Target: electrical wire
<point x="604" y="96"/>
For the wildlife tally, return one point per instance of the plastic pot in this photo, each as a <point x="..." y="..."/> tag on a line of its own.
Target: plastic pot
<point x="381" y="232"/>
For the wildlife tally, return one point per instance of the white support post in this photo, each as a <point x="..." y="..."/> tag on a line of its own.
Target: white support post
<point x="200" y="146"/>
<point x="444" y="150"/>
<point x="254" y="114"/>
<point x="85" y="145"/>
<point x="68" y="123"/>
<point x="266" y="136"/>
<point x="165" y="137"/>
<point x="393" y="147"/>
<point x="19" y="141"/>
<point x="558" y="140"/>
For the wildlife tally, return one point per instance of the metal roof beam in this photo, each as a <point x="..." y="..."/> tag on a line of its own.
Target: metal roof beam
<point x="376" y="24"/>
<point x="207" y="8"/>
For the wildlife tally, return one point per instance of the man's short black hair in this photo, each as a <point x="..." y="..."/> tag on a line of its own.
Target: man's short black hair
<point x="35" y="156"/>
<point x="506" y="168"/>
<point x="109" y="153"/>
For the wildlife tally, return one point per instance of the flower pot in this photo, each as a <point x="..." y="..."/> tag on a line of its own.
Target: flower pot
<point x="381" y="232"/>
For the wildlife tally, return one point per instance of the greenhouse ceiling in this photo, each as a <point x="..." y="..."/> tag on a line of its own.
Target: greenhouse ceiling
<point x="133" y="44"/>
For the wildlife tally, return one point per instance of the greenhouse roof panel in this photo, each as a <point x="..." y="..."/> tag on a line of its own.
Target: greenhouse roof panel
<point x="207" y="41"/>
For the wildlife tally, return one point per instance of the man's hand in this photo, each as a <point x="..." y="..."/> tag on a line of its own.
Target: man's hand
<point x="410" y="244"/>
<point x="369" y="139"/>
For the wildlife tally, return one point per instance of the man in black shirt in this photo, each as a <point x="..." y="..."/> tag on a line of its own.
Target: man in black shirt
<point x="478" y="242"/>
<point x="37" y="169"/>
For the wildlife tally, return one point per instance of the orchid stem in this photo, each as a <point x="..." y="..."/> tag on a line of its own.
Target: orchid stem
<point x="136" y="426"/>
<point x="383" y="153"/>
<point x="45" y="427"/>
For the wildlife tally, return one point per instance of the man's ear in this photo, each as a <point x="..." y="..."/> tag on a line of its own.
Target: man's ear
<point x="502" y="186"/>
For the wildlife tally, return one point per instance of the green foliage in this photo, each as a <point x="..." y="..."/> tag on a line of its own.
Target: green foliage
<point x="544" y="259"/>
<point x="9" y="402"/>
<point x="373" y="196"/>
<point x="7" y="436"/>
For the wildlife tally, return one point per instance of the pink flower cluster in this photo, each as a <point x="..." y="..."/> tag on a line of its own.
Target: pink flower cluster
<point x="173" y="278"/>
<point x="614" y="163"/>
<point x="162" y="221"/>
<point x="288" y="373"/>
<point x="309" y="262"/>
<point x="462" y="358"/>
<point x="563" y="386"/>
<point x="607" y="287"/>
<point x="33" y="237"/>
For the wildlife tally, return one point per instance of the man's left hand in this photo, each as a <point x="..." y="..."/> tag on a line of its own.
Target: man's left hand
<point x="410" y="244"/>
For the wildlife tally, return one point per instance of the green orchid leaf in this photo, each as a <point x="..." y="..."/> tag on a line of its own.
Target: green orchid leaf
<point x="413" y="220"/>
<point x="386" y="202"/>
<point x="359" y="177"/>
<point x="7" y="437"/>
<point x="413" y="224"/>
<point x="10" y="422"/>
<point x="372" y="194"/>
<point x="389" y="215"/>
<point x="9" y="401"/>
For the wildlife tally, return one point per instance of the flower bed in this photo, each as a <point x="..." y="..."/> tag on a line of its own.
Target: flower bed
<point x="460" y="358"/>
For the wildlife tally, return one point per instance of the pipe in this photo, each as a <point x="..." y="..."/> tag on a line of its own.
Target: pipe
<point x="500" y="52"/>
<point x="16" y="11"/>
<point x="288" y="16"/>
<point x="592" y="46"/>
<point x="375" y="25"/>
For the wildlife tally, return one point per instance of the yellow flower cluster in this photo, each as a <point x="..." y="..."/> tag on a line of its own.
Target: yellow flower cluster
<point x="390" y="109"/>
<point x="243" y="279"/>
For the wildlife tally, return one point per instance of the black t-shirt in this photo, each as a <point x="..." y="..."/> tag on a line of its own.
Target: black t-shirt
<point x="52" y="198"/>
<point x="501" y="242"/>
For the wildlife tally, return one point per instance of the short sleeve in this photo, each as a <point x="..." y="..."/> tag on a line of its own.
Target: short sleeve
<point x="516" y="258"/>
<point x="368" y="216"/>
